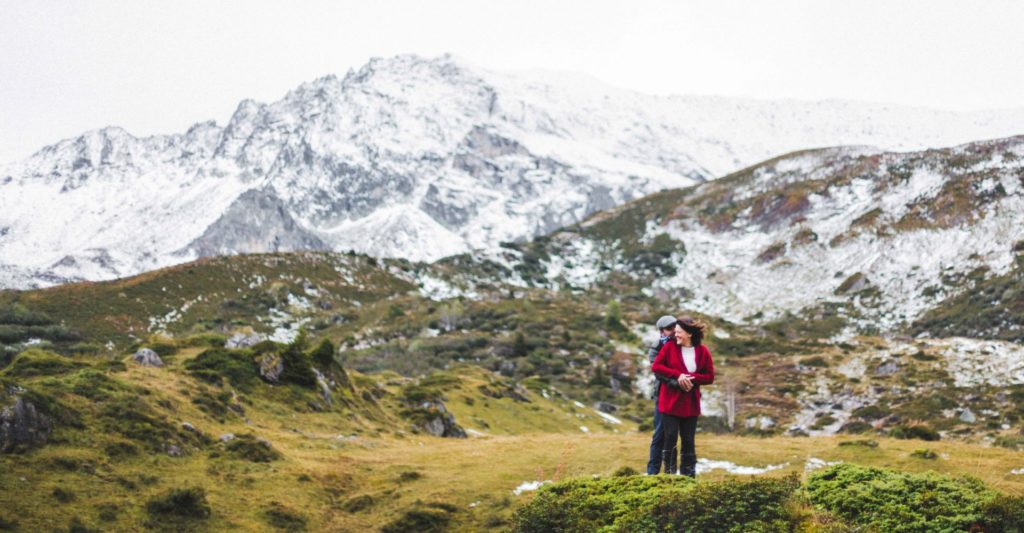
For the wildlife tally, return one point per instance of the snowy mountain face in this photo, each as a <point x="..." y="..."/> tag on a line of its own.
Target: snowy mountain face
<point x="406" y="157"/>
<point x="873" y="238"/>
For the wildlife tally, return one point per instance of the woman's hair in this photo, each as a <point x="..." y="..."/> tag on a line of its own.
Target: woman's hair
<point x="695" y="327"/>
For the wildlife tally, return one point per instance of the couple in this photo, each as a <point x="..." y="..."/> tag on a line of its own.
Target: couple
<point x="681" y="364"/>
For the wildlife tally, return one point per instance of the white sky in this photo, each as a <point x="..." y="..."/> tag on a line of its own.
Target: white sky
<point x="68" y="66"/>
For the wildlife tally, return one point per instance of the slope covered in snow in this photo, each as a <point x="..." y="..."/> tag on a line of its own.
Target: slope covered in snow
<point x="873" y="238"/>
<point x="406" y="157"/>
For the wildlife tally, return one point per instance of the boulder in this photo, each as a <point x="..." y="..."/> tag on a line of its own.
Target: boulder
<point x="147" y="357"/>
<point x="887" y="369"/>
<point x="227" y="437"/>
<point x="22" y="426"/>
<point x="605" y="407"/>
<point x="271" y="367"/>
<point x="437" y="421"/>
<point x="244" y="340"/>
<point x="968" y="416"/>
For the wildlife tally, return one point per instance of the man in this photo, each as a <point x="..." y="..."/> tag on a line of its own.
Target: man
<point x="666" y="329"/>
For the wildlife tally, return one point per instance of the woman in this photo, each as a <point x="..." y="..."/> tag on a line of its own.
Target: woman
<point x="687" y="361"/>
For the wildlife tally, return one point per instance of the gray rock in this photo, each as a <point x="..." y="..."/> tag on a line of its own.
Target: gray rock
<point x="438" y="421"/>
<point x="968" y="416"/>
<point x="227" y="437"/>
<point x="147" y="357"/>
<point x="22" y="426"/>
<point x="605" y="407"/>
<point x="271" y="367"/>
<point x="887" y="368"/>
<point x="174" y="450"/>
<point x="188" y="427"/>
<point x="244" y="340"/>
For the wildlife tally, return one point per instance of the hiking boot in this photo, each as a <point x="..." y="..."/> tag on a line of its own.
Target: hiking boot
<point x="668" y="458"/>
<point x="689" y="465"/>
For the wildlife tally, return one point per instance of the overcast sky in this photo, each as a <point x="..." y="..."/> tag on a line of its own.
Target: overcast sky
<point x="157" y="67"/>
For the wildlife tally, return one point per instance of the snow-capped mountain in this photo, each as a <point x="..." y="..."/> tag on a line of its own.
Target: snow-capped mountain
<point x="406" y="157"/>
<point x="854" y="236"/>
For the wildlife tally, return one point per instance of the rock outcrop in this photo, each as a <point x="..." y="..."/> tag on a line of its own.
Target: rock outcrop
<point x="271" y="367"/>
<point x="434" y="418"/>
<point x="22" y="425"/>
<point x="147" y="357"/>
<point x="244" y="340"/>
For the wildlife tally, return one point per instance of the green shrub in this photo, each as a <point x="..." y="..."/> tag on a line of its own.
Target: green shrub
<point x="35" y="362"/>
<point x="866" y="443"/>
<point x="358" y="503"/>
<point x="63" y="495"/>
<point x="760" y="504"/>
<point x="134" y="419"/>
<point x="212" y="340"/>
<point x="297" y="368"/>
<point x="915" y="431"/>
<point x="215" y="404"/>
<point x="20" y="315"/>
<point x="588" y="504"/>
<point x="163" y="348"/>
<point x="96" y="385"/>
<point x="1004" y="513"/>
<point x="625" y="471"/>
<point x="85" y="348"/>
<point x="250" y="448"/>
<point x="816" y="361"/>
<point x="186" y="503"/>
<point x="887" y="500"/>
<point x="108" y="511"/>
<point x="658" y="503"/>
<point x="281" y="517"/>
<point x="409" y="475"/>
<point x="216" y="364"/>
<point x="924" y="453"/>
<point x="422" y="518"/>
<point x="323" y="354"/>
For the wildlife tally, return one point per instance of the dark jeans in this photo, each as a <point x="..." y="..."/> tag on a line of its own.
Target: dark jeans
<point x="654" y="462"/>
<point x="684" y="427"/>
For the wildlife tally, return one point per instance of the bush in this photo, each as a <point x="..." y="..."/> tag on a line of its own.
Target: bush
<point x="1004" y="513"/>
<point x="212" y="340"/>
<point x="358" y="503"/>
<point x="887" y="500"/>
<point x="282" y="517"/>
<point x="188" y="503"/>
<point x="250" y="448"/>
<point x="19" y="315"/>
<point x="915" y="431"/>
<point x="297" y="368"/>
<point x="323" y="354"/>
<point x="429" y="518"/>
<point x="761" y="504"/>
<point x="134" y="419"/>
<point x="588" y="504"/>
<point x="63" y="495"/>
<point x="216" y="364"/>
<point x="866" y="443"/>
<point x="658" y="503"/>
<point x="35" y="362"/>
<point x="924" y="453"/>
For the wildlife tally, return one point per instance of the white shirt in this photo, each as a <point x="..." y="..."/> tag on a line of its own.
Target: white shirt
<point x="689" y="358"/>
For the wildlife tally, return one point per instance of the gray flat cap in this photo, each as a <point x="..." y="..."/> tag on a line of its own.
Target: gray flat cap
<point x="666" y="322"/>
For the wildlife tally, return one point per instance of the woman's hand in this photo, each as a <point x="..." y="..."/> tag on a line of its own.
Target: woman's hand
<point x="685" y="383"/>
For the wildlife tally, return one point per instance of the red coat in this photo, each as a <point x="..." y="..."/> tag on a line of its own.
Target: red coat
<point x="669" y="362"/>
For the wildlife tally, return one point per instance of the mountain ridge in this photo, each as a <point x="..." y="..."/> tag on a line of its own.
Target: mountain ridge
<point x="406" y="157"/>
